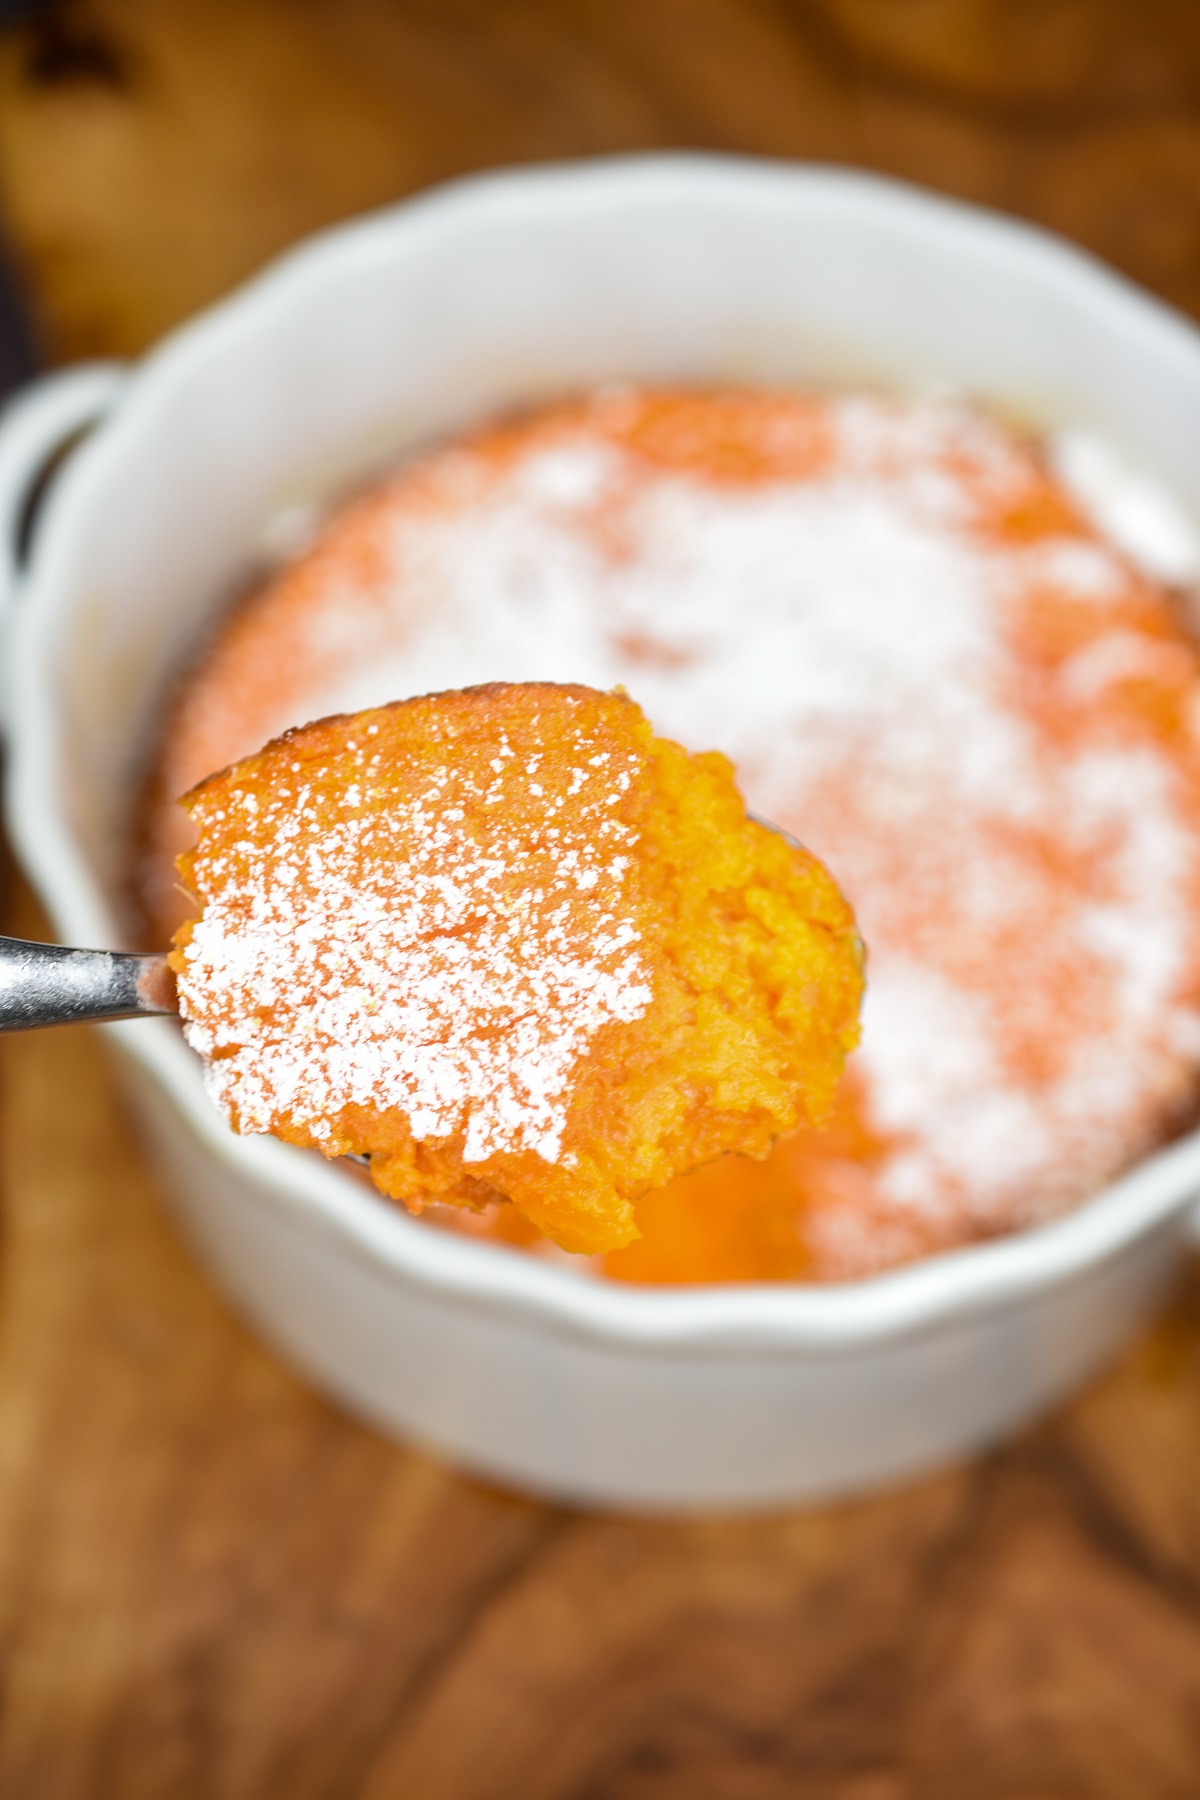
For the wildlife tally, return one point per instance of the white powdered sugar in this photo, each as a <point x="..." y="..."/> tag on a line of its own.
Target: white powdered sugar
<point x="392" y="958"/>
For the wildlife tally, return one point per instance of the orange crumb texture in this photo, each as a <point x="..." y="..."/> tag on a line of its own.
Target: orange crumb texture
<point x="508" y="944"/>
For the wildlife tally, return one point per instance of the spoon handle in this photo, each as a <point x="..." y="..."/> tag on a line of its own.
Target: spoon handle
<point x="49" y="984"/>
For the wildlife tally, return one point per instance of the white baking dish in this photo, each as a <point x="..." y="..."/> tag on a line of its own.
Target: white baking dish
<point x="376" y="337"/>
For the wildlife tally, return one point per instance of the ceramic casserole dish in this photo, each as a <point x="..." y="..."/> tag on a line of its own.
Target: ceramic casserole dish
<point x="380" y="336"/>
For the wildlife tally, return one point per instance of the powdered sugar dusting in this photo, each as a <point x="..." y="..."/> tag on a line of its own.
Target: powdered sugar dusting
<point x="397" y="957"/>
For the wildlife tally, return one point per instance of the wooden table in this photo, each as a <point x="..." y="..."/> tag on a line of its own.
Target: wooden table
<point x="212" y="1584"/>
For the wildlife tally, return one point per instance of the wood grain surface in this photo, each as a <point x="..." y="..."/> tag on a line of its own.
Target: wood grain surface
<point x="212" y="1584"/>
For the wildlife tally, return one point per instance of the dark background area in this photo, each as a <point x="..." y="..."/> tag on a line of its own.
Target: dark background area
<point x="153" y="152"/>
<point x="211" y="1583"/>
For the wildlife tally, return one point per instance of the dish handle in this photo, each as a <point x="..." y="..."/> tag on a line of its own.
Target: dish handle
<point x="38" y="428"/>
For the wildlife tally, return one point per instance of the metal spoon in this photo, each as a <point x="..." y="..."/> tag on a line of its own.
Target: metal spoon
<point x="48" y="984"/>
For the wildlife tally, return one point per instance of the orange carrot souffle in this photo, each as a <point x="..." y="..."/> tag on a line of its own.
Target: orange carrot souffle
<point x="508" y="945"/>
<point x="971" y="689"/>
